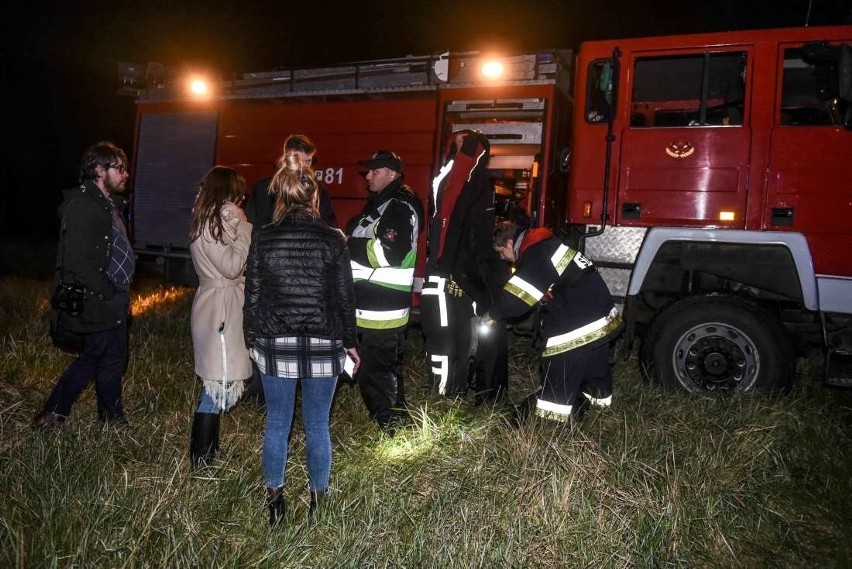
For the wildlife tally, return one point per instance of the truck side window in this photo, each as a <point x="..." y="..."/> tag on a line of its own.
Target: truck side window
<point x="810" y="92"/>
<point x="706" y="89"/>
<point x="599" y="91"/>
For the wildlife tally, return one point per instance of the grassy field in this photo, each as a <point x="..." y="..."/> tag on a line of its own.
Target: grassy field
<point x="660" y="479"/>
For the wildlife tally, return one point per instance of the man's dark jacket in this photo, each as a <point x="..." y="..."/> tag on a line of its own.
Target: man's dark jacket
<point x="299" y="282"/>
<point x="261" y="205"/>
<point x="83" y="256"/>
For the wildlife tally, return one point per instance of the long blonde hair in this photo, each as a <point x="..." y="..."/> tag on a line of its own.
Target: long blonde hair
<point x="221" y="184"/>
<point x="294" y="187"/>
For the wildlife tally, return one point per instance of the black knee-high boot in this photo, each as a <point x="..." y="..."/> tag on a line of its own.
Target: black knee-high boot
<point x="275" y="503"/>
<point x="205" y="439"/>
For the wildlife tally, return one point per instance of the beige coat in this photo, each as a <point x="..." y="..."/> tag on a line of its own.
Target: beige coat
<point x="219" y="299"/>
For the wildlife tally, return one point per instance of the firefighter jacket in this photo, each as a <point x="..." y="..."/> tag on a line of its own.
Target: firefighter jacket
<point x="577" y="309"/>
<point x="462" y="222"/>
<point x="383" y="247"/>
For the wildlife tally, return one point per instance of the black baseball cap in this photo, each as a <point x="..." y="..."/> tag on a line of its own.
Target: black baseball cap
<point x="383" y="159"/>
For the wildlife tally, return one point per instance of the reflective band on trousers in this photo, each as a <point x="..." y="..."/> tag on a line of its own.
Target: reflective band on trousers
<point x="438" y="290"/>
<point x="583" y="335"/>
<point x="555" y="411"/>
<point x="381" y="319"/>
<point x="526" y="292"/>
<point x="442" y="370"/>
<point x="599" y="401"/>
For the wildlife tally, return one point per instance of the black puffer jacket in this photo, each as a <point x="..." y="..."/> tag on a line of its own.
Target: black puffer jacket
<point x="299" y="282"/>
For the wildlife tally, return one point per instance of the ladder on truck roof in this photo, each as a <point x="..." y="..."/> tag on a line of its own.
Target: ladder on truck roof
<point x="384" y="76"/>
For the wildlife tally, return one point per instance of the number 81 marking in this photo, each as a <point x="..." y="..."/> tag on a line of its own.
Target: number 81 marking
<point x="330" y="175"/>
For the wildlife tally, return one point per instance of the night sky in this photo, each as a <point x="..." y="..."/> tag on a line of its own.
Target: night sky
<point x="60" y="57"/>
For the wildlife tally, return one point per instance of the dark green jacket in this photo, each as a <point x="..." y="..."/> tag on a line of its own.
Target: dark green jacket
<point x="83" y="255"/>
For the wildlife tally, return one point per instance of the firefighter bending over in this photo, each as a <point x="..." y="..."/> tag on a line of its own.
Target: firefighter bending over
<point x="577" y="317"/>
<point x="464" y="277"/>
<point x="382" y="243"/>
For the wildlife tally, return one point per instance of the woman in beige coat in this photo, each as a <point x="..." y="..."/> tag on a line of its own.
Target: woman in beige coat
<point x="220" y="238"/>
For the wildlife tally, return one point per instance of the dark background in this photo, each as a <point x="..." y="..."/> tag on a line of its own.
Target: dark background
<point x="60" y="59"/>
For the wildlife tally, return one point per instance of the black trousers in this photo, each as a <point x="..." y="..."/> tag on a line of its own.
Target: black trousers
<point x="104" y="359"/>
<point x="572" y="379"/>
<point x="460" y="355"/>
<point x="380" y="377"/>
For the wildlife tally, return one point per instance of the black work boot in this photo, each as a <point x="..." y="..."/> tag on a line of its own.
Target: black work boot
<point x="317" y="500"/>
<point x="275" y="503"/>
<point x="205" y="439"/>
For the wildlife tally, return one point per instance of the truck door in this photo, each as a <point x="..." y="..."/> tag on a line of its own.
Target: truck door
<point x="809" y="185"/>
<point x="685" y="148"/>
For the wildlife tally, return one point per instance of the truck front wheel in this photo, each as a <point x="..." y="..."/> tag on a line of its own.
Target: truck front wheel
<point x="718" y="344"/>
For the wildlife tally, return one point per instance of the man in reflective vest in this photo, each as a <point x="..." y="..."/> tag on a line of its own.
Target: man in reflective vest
<point x="578" y="319"/>
<point x="382" y="243"/>
<point x="464" y="276"/>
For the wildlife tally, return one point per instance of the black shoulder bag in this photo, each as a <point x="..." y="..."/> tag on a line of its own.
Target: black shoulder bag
<point x="67" y="302"/>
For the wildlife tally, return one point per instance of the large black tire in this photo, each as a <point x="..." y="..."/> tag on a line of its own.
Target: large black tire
<point x="714" y="345"/>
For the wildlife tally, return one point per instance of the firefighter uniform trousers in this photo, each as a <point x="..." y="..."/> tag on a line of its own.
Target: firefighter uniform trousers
<point x="578" y="372"/>
<point x="381" y="360"/>
<point x="462" y="355"/>
<point x="572" y="381"/>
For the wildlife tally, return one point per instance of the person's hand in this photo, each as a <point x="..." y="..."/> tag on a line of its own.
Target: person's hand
<point x="353" y="353"/>
<point x="486" y="320"/>
<point x="232" y="216"/>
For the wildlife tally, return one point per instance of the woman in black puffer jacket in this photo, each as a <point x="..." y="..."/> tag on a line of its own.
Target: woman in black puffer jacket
<point x="299" y="322"/>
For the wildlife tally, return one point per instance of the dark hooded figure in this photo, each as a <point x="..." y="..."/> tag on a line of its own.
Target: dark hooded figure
<point x="464" y="276"/>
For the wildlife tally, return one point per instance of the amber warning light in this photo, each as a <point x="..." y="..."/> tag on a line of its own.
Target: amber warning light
<point x="492" y="69"/>
<point x="198" y="87"/>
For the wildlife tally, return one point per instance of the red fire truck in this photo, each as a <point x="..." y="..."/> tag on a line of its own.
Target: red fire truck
<point x="704" y="174"/>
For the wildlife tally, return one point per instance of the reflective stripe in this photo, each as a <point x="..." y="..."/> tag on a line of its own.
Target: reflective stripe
<point x="582" y="335"/>
<point x="436" y="183"/>
<point x="376" y="253"/>
<point x="442" y="371"/>
<point x="390" y="277"/>
<point x="393" y="277"/>
<point x="599" y="402"/>
<point x="381" y="319"/>
<point x="549" y="410"/>
<point x="523" y="290"/>
<point x="438" y="290"/>
<point x="562" y="258"/>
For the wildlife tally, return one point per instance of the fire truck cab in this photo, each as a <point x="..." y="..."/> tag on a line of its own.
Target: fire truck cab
<point x="710" y="183"/>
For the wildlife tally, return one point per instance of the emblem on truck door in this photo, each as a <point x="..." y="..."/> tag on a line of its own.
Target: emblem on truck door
<point x="680" y="149"/>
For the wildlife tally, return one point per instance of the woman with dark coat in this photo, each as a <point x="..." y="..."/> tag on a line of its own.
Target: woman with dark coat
<point x="299" y="319"/>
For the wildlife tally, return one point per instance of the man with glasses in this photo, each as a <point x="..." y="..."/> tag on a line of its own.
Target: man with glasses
<point x="382" y="243"/>
<point x="94" y="254"/>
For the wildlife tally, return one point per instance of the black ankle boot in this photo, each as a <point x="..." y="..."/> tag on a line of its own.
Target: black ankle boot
<point x="275" y="503"/>
<point x="205" y="439"/>
<point x="317" y="500"/>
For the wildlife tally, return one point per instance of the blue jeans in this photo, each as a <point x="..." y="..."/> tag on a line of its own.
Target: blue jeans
<point x="207" y="405"/>
<point x="317" y="394"/>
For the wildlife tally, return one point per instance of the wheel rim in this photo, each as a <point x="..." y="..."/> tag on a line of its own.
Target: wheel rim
<point x="714" y="357"/>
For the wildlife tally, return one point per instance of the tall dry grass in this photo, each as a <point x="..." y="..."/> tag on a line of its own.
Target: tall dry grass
<point x="660" y="479"/>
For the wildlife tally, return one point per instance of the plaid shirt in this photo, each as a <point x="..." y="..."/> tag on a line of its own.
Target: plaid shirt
<point x="298" y="357"/>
